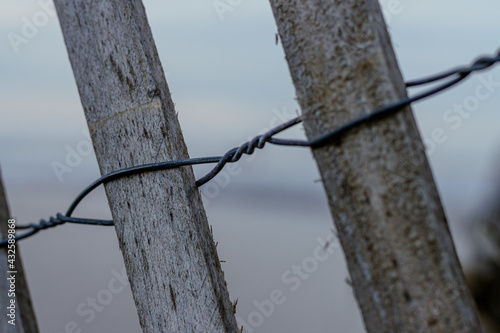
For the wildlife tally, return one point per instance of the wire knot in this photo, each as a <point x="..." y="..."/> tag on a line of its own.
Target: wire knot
<point x="454" y="77"/>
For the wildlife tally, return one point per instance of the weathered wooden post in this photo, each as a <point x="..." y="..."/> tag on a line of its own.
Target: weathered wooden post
<point x="169" y="253"/>
<point x="405" y="273"/>
<point x="24" y="320"/>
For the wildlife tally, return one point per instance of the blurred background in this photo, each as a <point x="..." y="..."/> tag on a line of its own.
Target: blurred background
<point x="230" y="82"/>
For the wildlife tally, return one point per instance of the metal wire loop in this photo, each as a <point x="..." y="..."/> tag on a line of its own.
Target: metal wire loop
<point x="233" y="155"/>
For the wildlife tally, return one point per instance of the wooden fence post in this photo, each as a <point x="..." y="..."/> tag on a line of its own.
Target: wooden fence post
<point x="25" y="320"/>
<point x="405" y="273"/>
<point x="169" y="253"/>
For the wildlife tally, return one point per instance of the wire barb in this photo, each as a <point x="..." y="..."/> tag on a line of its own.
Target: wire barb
<point x="454" y="77"/>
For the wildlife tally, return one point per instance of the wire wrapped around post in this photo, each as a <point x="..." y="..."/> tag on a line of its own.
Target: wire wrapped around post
<point x="454" y="77"/>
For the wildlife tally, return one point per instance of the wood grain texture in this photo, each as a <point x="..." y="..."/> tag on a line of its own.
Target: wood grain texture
<point x="25" y="315"/>
<point x="169" y="253"/>
<point x="400" y="255"/>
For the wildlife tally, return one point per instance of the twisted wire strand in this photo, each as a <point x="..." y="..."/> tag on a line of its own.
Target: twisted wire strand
<point x="454" y="77"/>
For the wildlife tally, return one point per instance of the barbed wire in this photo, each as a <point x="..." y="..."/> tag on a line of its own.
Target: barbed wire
<point x="454" y="77"/>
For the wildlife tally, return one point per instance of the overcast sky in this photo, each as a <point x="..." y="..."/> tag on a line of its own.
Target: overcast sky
<point x="229" y="81"/>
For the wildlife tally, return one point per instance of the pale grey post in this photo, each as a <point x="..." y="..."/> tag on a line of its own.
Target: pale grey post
<point x="404" y="269"/>
<point x="169" y="253"/>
